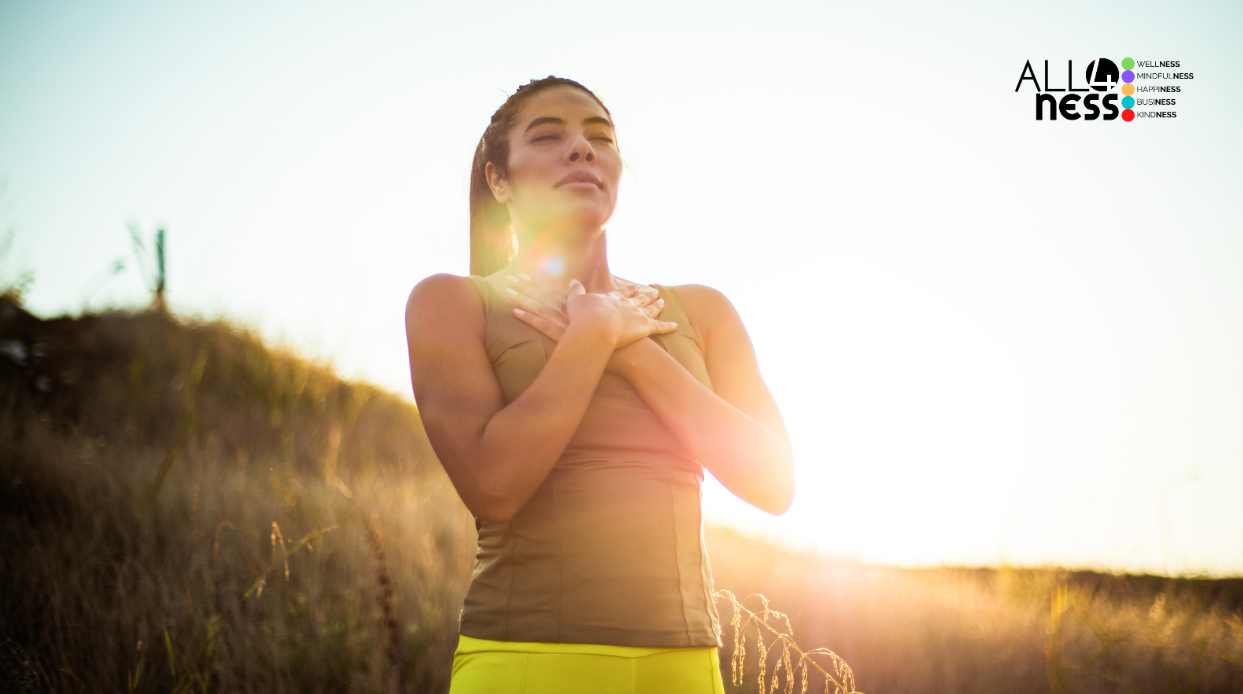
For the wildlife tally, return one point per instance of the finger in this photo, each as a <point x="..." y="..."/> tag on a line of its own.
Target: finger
<point x="576" y="287"/>
<point x="665" y="326"/>
<point x="650" y="306"/>
<point x="645" y="303"/>
<point x="633" y="287"/>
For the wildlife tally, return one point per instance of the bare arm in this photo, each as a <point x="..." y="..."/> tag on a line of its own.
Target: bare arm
<point x="737" y="431"/>
<point x="496" y="455"/>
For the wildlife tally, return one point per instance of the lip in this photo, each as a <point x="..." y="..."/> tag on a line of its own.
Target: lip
<point x="578" y="177"/>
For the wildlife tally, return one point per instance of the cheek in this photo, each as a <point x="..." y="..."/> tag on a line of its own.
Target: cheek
<point x="611" y="165"/>
<point x="532" y="164"/>
<point x="533" y="175"/>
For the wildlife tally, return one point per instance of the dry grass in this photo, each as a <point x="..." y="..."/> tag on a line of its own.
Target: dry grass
<point x="190" y="510"/>
<point x="841" y="679"/>
<point x="1003" y="629"/>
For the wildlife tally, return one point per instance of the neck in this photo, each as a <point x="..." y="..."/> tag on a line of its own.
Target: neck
<point x="549" y="259"/>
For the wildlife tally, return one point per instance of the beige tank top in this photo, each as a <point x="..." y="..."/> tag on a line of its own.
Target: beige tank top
<point x="610" y="548"/>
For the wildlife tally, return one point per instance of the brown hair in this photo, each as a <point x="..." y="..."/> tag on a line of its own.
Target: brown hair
<point x="492" y="242"/>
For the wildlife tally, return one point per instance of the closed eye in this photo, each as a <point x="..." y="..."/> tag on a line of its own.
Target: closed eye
<point x="554" y="137"/>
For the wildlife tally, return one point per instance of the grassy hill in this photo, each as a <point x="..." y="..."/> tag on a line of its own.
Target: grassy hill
<point x="183" y="508"/>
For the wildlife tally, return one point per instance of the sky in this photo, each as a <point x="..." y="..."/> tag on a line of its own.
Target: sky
<point x="993" y="339"/>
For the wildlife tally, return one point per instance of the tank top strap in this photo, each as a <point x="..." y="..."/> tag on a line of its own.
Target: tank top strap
<point x="673" y="301"/>
<point x="485" y="293"/>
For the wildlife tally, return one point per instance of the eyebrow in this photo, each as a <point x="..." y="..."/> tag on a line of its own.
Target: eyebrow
<point x="553" y="119"/>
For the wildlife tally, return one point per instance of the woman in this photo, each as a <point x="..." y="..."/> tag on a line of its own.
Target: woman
<point x="572" y="410"/>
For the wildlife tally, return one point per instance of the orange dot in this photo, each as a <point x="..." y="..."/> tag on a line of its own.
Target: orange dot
<point x="1128" y="89"/>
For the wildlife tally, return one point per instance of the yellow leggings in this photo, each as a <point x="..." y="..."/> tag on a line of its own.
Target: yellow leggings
<point x="528" y="667"/>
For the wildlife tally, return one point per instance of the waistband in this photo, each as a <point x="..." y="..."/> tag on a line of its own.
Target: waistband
<point x="471" y="644"/>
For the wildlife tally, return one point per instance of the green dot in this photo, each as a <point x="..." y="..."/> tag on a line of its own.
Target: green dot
<point x="1128" y="63"/>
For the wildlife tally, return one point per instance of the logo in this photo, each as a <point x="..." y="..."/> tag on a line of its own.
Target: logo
<point x="1096" y="98"/>
<point x="1103" y="90"/>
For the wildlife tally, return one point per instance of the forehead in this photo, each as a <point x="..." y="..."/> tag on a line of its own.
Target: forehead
<point x="563" y="101"/>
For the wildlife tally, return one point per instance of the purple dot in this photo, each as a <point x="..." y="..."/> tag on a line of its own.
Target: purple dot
<point x="1128" y="76"/>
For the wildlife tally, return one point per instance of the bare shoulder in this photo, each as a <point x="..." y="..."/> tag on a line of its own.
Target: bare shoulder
<point x="455" y="389"/>
<point x="441" y="285"/>
<point x="442" y="299"/>
<point x="707" y="307"/>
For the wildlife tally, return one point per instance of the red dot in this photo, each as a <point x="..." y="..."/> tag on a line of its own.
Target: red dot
<point x="1128" y="115"/>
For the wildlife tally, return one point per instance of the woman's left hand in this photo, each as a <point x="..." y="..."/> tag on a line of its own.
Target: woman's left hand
<point x="547" y="314"/>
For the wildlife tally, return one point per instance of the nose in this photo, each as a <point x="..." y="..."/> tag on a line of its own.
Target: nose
<point x="582" y="148"/>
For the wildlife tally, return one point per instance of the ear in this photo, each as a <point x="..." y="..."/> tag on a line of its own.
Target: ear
<point x="499" y="186"/>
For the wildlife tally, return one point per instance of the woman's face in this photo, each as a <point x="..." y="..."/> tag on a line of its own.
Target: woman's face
<point x="559" y="130"/>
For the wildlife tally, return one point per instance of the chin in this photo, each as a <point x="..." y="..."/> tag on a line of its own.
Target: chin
<point x="573" y="210"/>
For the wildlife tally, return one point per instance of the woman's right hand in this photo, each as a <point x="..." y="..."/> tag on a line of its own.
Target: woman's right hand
<point x="626" y="321"/>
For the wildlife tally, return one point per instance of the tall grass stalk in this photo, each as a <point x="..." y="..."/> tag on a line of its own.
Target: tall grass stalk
<point x="384" y="598"/>
<point x="842" y="679"/>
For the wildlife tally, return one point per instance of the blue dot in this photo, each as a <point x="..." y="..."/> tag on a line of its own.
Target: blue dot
<point x="1127" y="102"/>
